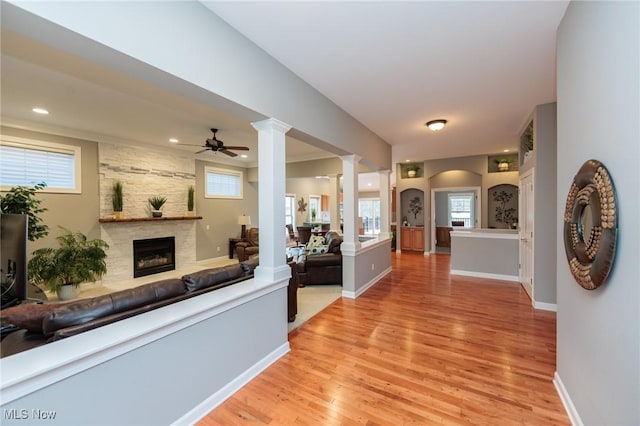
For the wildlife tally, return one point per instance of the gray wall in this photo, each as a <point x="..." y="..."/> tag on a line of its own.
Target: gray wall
<point x="598" y="351"/>
<point x="78" y="212"/>
<point x="158" y="383"/>
<point x="220" y="216"/>
<point x="485" y="255"/>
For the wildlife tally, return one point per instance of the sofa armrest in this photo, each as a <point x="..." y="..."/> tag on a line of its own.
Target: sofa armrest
<point x="322" y="260"/>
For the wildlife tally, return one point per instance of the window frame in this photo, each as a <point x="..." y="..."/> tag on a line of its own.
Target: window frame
<point x="293" y="209"/>
<point x="46" y="146"/>
<point x="220" y="171"/>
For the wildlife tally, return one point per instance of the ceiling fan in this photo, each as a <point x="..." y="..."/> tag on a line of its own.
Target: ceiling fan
<point x="216" y="145"/>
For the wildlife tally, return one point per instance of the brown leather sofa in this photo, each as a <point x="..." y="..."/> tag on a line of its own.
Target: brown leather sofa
<point x="42" y="324"/>
<point x="325" y="268"/>
<point x="250" y="246"/>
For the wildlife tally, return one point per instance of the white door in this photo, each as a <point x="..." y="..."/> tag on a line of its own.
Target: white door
<point x="525" y="220"/>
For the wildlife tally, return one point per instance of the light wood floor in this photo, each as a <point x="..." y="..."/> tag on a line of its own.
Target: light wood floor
<point x="418" y="348"/>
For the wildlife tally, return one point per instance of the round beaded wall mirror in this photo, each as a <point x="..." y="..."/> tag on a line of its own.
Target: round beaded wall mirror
<point x="590" y="225"/>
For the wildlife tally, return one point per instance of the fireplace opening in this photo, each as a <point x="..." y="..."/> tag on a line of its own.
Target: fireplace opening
<point x="153" y="255"/>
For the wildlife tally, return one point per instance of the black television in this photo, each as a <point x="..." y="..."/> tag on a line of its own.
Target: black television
<point x="13" y="258"/>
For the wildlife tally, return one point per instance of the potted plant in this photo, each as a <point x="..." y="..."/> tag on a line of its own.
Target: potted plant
<point x="21" y="200"/>
<point x="313" y="215"/>
<point x="412" y="170"/>
<point x="190" y="200"/>
<point x="116" y="200"/>
<point x="503" y="164"/>
<point x="75" y="261"/>
<point x="157" y="203"/>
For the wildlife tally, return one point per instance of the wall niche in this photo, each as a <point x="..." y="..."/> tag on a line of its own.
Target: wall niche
<point x="503" y="207"/>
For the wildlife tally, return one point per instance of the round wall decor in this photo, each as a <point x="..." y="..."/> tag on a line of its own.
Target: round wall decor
<point x="590" y="225"/>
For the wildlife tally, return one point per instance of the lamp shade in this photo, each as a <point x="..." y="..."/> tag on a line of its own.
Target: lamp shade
<point x="244" y="220"/>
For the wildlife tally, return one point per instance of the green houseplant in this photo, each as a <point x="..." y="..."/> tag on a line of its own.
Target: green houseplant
<point x="412" y="170"/>
<point x="117" y="200"/>
<point x="75" y="261"/>
<point x="157" y="203"/>
<point x="21" y="200"/>
<point x="191" y="191"/>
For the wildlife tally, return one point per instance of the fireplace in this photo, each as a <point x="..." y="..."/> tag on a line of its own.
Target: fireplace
<point x="154" y="255"/>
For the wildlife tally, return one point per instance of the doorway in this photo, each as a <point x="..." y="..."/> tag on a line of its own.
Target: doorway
<point x="452" y="208"/>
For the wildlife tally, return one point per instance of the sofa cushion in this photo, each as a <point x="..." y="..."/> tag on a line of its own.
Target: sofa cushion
<point x="249" y="265"/>
<point x="209" y="277"/>
<point x="30" y="315"/>
<point x="333" y="239"/>
<point x="86" y="310"/>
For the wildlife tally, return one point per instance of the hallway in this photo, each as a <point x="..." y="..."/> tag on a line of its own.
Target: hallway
<point x="420" y="347"/>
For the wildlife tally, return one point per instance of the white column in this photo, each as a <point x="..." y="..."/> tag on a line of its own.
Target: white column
<point x="271" y="193"/>
<point x="334" y="202"/>
<point x="350" y="241"/>
<point x="385" y="205"/>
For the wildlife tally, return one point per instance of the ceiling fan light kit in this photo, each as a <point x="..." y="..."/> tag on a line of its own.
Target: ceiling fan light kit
<point x="216" y="145"/>
<point x="436" y="125"/>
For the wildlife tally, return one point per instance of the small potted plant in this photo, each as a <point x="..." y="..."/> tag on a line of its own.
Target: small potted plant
<point x="75" y="261"/>
<point x="157" y="203"/>
<point x="503" y="164"/>
<point x="412" y="170"/>
<point x="116" y="200"/>
<point x="190" y="200"/>
<point x="313" y="215"/>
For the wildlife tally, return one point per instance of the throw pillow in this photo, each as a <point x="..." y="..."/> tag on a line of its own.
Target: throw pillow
<point x="315" y="241"/>
<point x="29" y="316"/>
<point x="319" y="249"/>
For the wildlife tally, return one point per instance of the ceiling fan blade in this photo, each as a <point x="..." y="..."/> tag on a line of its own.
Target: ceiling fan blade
<point x="187" y="144"/>
<point x="237" y="148"/>
<point x="229" y="153"/>
<point x="202" y="150"/>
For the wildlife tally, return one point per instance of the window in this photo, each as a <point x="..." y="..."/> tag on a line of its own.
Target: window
<point x="369" y="211"/>
<point x="314" y="208"/>
<point x="461" y="208"/>
<point x="25" y="162"/>
<point x="290" y="210"/>
<point x="221" y="183"/>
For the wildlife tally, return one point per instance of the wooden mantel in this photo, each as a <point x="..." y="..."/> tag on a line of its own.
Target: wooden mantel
<point x="147" y="219"/>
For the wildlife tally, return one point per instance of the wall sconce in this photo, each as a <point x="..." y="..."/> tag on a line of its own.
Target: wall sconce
<point x="436" y="125"/>
<point x="244" y="220"/>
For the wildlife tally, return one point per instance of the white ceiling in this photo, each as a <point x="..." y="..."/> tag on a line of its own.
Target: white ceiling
<point x="392" y="65"/>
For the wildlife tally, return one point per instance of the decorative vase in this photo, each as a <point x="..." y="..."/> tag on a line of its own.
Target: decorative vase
<point x="68" y="292"/>
<point x="118" y="215"/>
<point x="156" y="213"/>
<point x="503" y="166"/>
<point x="411" y="173"/>
<point x="190" y="213"/>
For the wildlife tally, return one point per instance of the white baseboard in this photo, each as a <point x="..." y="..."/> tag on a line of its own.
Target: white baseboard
<point x="367" y="286"/>
<point x="209" y="404"/>
<point x="485" y="275"/>
<point x="545" y="306"/>
<point x="574" y="417"/>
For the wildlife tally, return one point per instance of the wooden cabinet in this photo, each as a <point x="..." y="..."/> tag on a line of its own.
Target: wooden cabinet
<point x="412" y="238"/>
<point x="324" y="203"/>
<point x="443" y="237"/>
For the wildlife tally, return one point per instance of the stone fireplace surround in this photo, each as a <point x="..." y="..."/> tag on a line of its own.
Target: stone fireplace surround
<point x="144" y="173"/>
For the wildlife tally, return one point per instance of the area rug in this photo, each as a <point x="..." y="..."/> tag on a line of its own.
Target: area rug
<point x="312" y="299"/>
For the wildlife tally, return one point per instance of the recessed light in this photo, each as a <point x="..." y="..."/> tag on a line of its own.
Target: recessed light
<point x="406" y="161"/>
<point x="40" y="111"/>
<point x="369" y="184"/>
<point x="174" y="140"/>
<point x="244" y="156"/>
<point x="505" y="150"/>
<point x="436" y="125"/>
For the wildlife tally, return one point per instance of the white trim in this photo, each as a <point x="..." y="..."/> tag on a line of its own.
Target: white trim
<point x="205" y="407"/>
<point x="24" y="373"/>
<point x="365" y="246"/>
<point x="485" y="275"/>
<point x="367" y="286"/>
<point x="574" y="417"/>
<point x="33" y="144"/>
<point x="545" y="306"/>
<point x="487" y="233"/>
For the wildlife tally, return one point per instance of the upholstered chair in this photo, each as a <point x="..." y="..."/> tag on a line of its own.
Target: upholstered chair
<point x="249" y="247"/>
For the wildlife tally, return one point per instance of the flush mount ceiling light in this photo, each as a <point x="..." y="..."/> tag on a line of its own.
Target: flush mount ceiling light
<point x="436" y="125"/>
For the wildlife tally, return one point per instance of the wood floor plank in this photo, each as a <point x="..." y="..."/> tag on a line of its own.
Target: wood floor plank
<point x="420" y="347"/>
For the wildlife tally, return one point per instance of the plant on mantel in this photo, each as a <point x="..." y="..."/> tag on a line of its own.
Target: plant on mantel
<point x="157" y="202"/>
<point x="190" y="200"/>
<point x="117" y="200"/>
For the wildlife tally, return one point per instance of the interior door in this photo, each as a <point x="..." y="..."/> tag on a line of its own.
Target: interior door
<point x="526" y="232"/>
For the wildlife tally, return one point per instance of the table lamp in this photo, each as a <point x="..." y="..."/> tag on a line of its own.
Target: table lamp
<point x="244" y="220"/>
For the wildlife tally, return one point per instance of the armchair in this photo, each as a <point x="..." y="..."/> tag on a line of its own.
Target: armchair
<point x="249" y="247"/>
